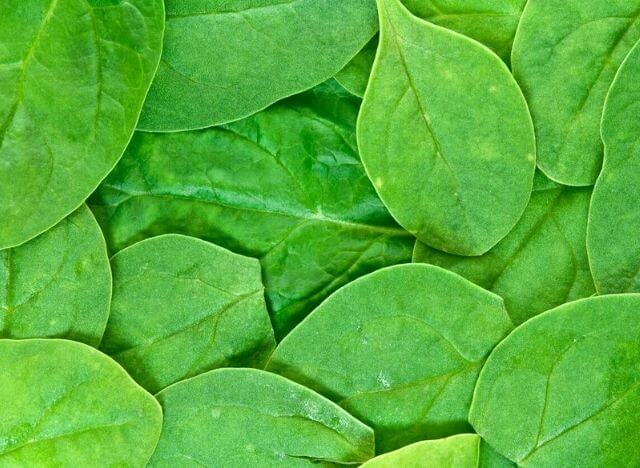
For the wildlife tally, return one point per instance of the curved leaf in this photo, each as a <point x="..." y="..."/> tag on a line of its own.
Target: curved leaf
<point x="182" y="306"/>
<point x="285" y="185"/>
<point x="614" y="220"/>
<point x="542" y="262"/>
<point x="73" y="78"/>
<point x="564" y="388"/>
<point x="405" y="356"/>
<point x="565" y="56"/>
<point x="445" y="135"/>
<point x="71" y="405"/>
<point x="247" y="417"/>
<point x="223" y="61"/>
<point x="58" y="284"/>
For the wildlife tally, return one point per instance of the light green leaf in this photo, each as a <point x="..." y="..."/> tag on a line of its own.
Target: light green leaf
<point x="247" y="417"/>
<point x="542" y="262"/>
<point x="58" y="284"/>
<point x="182" y="306"/>
<point x="73" y="76"/>
<point x="614" y="220"/>
<point x="285" y="185"/>
<point x="565" y="56"/>
<point x="563" y="389"/>
<point x="445" y="135"/>
<point x="223" y="61"/>
<point x="68" y="405"/>
<point x="400" y="349"/>
<point x="459" y="451"/>
<point x="491" y="22"/>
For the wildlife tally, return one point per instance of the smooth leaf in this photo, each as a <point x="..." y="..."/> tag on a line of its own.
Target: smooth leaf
<point x="285" y="185"/>
<point x="564" y="388"/>
<point x="565" y="56"/>
<point x="459" y="451"/>
<point x="491" y="22"/>
<point x="58" y="284"/>
<point x="182" y="306"/>
<point x="66" y="404"/>
<point x="73" y="78"/>
<point x="247" y="417"/>
<point x="614" y="220"/>
<point x="223" y="61"/>
<point x="542" y="262"/>
<point x="445" y="135"/>
<point x="400" y="349"/>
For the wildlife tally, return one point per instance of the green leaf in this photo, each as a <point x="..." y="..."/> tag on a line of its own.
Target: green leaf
<point x="66" y="404"/>
<point x="564" y="388"/>
<point x="565" y="56"/>
<point x="223" y="61"/>
<point x="285" y="185"/>
<point x="459" y="451"/>
<point x="445" y="135"/>
<point x="399" y="349"/>
<point x="182" y="306"/>
<point x="58" y="284"/>
<point x="614" y="220"/>
<point x="248" y="417"/>
<point x="542" y="262"/>
<point x="73" y="78"/>
<point x="491" y="22"/>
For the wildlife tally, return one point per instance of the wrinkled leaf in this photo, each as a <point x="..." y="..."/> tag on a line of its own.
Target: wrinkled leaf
<point x="182" y="306"/>
<point x="66" y="404"/>
<point x="285" y="185"/>
<point x="223" y="61"/>
<point x="542" y="262"/>
<point x="565" y="56"/>
<point x="445" y="135"/>
<point x="58" y="284"/>
<point x="614" y="220"/>
<point x="564" y="388"/>
<point x="247" y="417"/>
<point x="73" y="78"/>
<point x="400" y="349"/>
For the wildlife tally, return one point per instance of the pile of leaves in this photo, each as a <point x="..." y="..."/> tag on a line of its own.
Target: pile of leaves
<point x="320" y="232"/>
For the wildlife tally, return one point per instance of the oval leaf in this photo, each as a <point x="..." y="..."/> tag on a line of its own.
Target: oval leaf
<point x="565" y="386"/>
<point x="405" y="356"/>
<point x="565" y="55"/>
<point x="74" y="76"/>
<point x="58" y="284"/>
<point x="445" y="135"/>
<point x="182" y="306"/>
<point x="518" y="268"/>
<point x="614" y="220"/>
<point x="72" y="406"/>
<point x="223" y="61"/>
<point x="285" y="185"/>
<point x="255" y="419"/>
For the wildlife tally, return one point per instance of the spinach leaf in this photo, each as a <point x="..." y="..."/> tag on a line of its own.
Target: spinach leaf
<point x="285" y="185"/>
<point x="614" y="220"/>
<point x="223" y="61"/>
<point x="66" y="404"/>
<point x="248" y="417"/>
<point x="565" y="55"/>
<point x="182" y="306"/>
<point x="58" y="284"/>
<point x="491" y="22"/>
<point x="564" y="388"/>
<point x="459" y="451"/>
<point x="399" y="349"/>
<point x="445" y="135"/>
<point x="542" y="262"/>
<point x="73" y="78"/>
